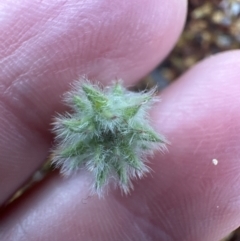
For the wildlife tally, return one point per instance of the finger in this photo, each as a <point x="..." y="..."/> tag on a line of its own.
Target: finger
<point x="187" y="197"/>
<point x="51" y="43"/>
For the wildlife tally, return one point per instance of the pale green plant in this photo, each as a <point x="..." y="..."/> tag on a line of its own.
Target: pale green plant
<point x="108" y="133"/>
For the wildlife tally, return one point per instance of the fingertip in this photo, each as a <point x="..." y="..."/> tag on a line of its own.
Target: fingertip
<point x="52" y="43"/>
<point x="200" y="115"/>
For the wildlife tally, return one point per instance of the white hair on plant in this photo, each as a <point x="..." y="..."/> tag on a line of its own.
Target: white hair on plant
<point x="108" y="133"/>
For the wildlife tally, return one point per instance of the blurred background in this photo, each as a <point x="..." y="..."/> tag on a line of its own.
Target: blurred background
<point x="212" y="26"/>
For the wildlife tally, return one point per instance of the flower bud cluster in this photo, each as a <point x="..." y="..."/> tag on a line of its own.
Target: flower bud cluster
<point x="108" y="133"/>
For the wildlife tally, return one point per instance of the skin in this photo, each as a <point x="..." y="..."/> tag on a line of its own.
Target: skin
<point x="44" y="46"/>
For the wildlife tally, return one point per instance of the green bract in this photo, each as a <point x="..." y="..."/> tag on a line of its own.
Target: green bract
<point x="108" y="133"/>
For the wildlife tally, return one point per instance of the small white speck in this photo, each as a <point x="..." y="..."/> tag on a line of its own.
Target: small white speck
<point x="215" y="162"/>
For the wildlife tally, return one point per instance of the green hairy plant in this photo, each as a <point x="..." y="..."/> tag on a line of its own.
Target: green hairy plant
<point x="108" y="133"/>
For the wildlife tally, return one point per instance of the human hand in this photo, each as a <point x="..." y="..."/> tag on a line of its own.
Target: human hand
<point x="44" y="46"/>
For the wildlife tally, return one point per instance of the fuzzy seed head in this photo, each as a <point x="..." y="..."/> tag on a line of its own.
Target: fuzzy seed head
<point x="108" y="133"/>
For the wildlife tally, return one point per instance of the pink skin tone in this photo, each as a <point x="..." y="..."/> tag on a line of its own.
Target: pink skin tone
<point x="44" y="46"/>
